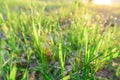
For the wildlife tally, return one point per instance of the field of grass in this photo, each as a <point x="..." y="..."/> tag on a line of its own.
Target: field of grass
<point x="57" y="40"/>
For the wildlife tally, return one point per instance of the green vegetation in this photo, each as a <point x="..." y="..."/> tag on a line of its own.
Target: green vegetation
<point x="42" y="40"/>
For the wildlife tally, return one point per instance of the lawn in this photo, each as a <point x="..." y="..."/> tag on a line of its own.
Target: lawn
<point x="59" y="40"/>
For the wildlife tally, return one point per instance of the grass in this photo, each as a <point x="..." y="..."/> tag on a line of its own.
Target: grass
<point x="52" y="41"/>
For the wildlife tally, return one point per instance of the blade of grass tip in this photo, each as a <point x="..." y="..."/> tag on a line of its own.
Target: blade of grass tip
<point x="61" y="60"/>
<point x="35" y="33"/>
<point x="13" y="73"/>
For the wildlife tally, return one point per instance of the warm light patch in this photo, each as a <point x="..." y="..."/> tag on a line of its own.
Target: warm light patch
<point x="102" y="2"/>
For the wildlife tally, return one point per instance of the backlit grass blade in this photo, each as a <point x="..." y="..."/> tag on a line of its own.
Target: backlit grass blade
<point x="61" y="60"/>
<point x="112" y="56"/>
<point x="25" y="75"/>
<point x="66" y="77"/>
<point x="13" y="73"/>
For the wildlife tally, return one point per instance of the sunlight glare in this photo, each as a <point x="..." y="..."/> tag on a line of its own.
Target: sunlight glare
<point x="102" y="2"/>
